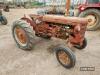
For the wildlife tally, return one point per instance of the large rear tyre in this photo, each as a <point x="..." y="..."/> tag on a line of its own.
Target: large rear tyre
<point x="65" y="57"/>
<point x="93" y="16"/>
<point x="23" y="34"/>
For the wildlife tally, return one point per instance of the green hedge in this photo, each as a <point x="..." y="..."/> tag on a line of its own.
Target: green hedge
<point x="36" y="3"/>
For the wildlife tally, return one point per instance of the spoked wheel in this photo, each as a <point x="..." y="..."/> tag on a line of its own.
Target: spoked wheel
<point x="65" y="57"/>
<point x="3" y="20"/>
<point x="84" y="44"/>
<point x="23" y="34"/>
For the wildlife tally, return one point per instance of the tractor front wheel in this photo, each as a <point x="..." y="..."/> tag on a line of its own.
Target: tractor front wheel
<point x="65" y="57"/>
<point x="23" y="34"/>
<point x="82" y="46"/>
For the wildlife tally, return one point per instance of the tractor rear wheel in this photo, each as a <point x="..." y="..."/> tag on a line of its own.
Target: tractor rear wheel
<point x="23" y="34"/>
<point x="93" y="16"/>
<point x="65" y="57"/>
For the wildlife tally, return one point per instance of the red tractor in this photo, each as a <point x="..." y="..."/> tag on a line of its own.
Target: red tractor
<point x="70" y="29"/>
<point x="90" y="9"/>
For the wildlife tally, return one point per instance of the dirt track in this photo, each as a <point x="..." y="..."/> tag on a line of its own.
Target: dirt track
<point x="41" y="61"/>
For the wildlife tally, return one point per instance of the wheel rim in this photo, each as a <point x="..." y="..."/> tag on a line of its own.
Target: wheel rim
<point x="20" y="36"/>
<point x="63" y="58"/>
<point x="92" y="19"/>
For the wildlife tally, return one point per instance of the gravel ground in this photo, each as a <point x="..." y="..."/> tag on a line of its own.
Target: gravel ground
<point x="41" y="60"/>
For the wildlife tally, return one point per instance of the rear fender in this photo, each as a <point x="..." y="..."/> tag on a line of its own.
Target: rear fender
<point x="29" y="20"/>
<point x="89" y="6"/>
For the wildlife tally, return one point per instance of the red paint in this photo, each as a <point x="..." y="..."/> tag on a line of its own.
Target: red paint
<point x="55" y="26"/>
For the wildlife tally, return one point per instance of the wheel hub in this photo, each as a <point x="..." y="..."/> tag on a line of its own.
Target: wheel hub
<point x="63" y="57"/>
<point x="21" y="35"/>
<point x="91" y="20"/>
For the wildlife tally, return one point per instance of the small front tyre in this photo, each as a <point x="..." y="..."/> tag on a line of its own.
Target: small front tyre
<point x="65" y="57"/>
<point x="80" y="47"/>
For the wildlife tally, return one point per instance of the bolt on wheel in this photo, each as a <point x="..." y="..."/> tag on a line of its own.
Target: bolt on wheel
<point x="23" y="35"/>
<point x="91" y="20"/>
<point x="65" y="57"/>
<point x="20" y="35"/>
